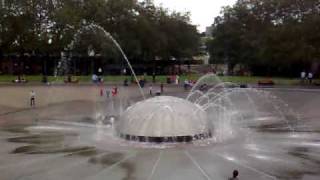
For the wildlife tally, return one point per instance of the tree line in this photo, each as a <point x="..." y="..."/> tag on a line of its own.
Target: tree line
<point x="268" y="37"/>
<point x="47" y="27"/>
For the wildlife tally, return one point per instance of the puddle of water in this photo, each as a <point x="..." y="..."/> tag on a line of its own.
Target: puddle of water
<point x="38" y="139"/>
<point x="107" y="160"/>
<point x="113" y="158"/>
<point x="16" y="129"/>
<point x="34" y="149"/>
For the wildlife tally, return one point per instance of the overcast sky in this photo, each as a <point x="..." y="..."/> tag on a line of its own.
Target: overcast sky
<point x="203" y="12"/>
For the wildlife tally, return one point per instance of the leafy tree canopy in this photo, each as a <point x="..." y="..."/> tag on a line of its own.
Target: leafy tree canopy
<point x="268" y="36"/>
<point x="144" y="30"/>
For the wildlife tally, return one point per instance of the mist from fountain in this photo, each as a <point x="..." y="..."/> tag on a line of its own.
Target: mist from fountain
<point x="225" y="118"/>
<point x="64" y="63"/>
<point x="216" y="98"/>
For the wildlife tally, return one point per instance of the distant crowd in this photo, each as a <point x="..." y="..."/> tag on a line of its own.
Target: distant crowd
<point x="306" y="77"/>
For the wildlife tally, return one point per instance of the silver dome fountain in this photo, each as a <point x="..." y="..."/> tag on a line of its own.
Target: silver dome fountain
<point x="164" y="119"/>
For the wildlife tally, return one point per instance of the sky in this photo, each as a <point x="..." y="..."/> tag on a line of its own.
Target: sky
<point x="203" y="12"/>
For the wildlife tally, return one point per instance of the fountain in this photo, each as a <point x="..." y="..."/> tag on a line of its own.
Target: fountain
<point x="92" y="27"/>
<point x="203" y="134"/>
<point x="213" y="115"/>
<point x="164" y="119"/>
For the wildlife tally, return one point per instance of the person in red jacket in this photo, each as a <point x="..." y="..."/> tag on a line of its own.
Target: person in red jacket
<point x="114" y="91"/>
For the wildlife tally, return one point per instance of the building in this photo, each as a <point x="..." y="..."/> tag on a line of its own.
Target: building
<point x="209" y="30"/>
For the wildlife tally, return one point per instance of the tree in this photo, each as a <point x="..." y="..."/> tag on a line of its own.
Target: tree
<point x="269" y="36"/>
<point x="143" y="30"/>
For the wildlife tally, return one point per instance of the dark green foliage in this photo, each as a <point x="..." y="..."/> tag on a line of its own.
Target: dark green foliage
<point x="142" y="29"/>
<point x="268" y="36"/>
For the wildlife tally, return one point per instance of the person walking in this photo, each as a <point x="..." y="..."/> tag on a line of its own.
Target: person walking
<point x="310" y="77"/>
<point x="32" y="98"/>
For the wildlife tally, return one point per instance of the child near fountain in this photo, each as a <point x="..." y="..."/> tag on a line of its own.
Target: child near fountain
<point x="114" y="91"/>
<point x="150" y="90"/>
<point x="32" y="99"/>
<point x="107" y="92"/>
<point x="161" y="88"/>
<point x="235" y="175"/>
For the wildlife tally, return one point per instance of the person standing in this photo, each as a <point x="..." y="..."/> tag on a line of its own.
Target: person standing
<point x="107" y="92"/>
<point x="150" y="90"/>
<point x="100" y="75"/>
<point x="302" y="76"/>
<point x="94" y="78"/>
<point x="114" y="91"/>
<point x="186" y="84"/>
<point x="310" y="77"/>
<point x="161" y="88"/>
<point x="154" y="77"/>
<point x="32" y="99"/>
<point x="101" y="92"/>
<point x="177" y="79"/>
<point x="100" y="71"/>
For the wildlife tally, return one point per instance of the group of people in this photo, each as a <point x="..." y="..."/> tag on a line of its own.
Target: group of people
<point x="114" y="92"/>
<point x="306" y="77"/>
<point x="158" y="92"/>
<point x="20" y="79"/>
<point x="173" y="79"/>
<point x="188" y="84"/>
<point x="96" y="79"/>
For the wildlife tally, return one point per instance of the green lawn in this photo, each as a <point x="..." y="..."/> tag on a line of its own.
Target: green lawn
<point x="83" y="79"/>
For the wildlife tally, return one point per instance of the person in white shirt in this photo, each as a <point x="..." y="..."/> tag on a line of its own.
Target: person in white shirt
<point x="177" y="79"/>
<point x="94" y="78"/>
<point x="310" y="77"/>
<point x="150" y="90"/>
<point x="32" y="99"/>
<point x="303" y="76"/>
